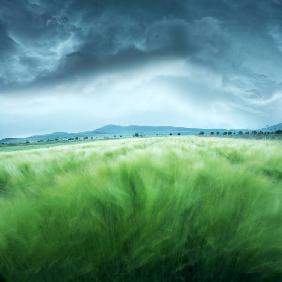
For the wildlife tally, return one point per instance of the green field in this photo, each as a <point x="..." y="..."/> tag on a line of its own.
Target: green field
<point x="153" y="209"/>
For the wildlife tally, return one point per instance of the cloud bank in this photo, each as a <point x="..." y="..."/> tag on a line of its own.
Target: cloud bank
<point x="77" y="64"/>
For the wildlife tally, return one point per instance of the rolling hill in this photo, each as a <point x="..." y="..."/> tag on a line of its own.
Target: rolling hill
<point x="274" y="127"/>
<point x="111" y="130"/>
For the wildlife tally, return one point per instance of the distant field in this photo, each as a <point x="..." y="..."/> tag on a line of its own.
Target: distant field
<point x="21" y="147"/>
<point x="153" y="209"/>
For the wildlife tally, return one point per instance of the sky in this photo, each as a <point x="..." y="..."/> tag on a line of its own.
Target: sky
<point x="75" y="65"/>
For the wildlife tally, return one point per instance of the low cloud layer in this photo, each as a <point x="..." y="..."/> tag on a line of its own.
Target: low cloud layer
<point x="218" y="63"/>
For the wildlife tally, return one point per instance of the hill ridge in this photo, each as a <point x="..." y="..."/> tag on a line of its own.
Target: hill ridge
<point x="110" y="130"/>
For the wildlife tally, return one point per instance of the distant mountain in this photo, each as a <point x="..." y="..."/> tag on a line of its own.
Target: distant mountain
<point x="273" y="127"/>
<point x="144" y="130"/>
<point x="111" y="130"/>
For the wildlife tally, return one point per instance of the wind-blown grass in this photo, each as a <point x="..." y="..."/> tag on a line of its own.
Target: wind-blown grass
<point x="156" y="209"/>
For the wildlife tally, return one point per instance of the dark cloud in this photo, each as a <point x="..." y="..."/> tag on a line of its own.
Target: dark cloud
<point x="45" y="42"/>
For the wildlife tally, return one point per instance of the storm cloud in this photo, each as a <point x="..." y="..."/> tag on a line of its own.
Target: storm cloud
<point x="220" y="59"/>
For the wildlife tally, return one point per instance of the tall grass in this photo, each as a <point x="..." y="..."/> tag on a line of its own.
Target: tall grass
<point x="159" y="209"/>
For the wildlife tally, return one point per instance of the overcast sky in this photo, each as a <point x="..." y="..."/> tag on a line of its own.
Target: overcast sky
<point x="74" y="65"/>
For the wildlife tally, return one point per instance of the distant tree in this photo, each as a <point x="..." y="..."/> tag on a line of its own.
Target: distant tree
<point x="178" y="133"/>
<point x="279" y="131"/>
<point x="247" y="133"/>
<point x="136" y="134"/>
<point x="114" y="136"/>
<point x="217" y="133"/>
<point x="120" y="136"/>
<point x="86" y="137"/>
<point x="170" y="134"/>
<point x="240" y="132"/>
<point x="202" y="133"/>
<point x="27" y="142"/>
<point x="224" y="133"/>
<point x="76" y="138"/>
<point x="229" y="132"/>
<point x="211" y="133"/>
<point x="254" y="132"/>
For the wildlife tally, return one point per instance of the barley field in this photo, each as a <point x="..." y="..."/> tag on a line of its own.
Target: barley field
<point x="152" y="209"/>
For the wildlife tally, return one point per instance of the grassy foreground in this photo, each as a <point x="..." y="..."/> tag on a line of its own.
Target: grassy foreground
<point x="159" y="209"/>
